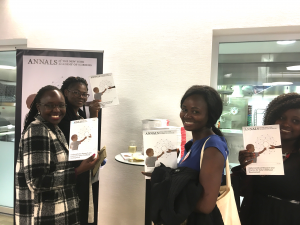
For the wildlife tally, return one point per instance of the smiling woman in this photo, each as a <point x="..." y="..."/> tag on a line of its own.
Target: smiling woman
<point x="275" y="200"/>
<point x="52" y="107"/>
<point x="75" y="90"/>
<point x="45" y="180"/>
<point x="201" y="106"/>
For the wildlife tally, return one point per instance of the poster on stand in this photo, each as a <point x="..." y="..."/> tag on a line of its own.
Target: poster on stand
<point x="104" y="89"/>
<point x="83" y="139"/>
<point x="265" y="143"/>
<point x="160" y="147"/>
<point x="37" y="68"/>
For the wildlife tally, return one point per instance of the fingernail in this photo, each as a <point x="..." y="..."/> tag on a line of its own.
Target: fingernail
<point x="94" y="155"/>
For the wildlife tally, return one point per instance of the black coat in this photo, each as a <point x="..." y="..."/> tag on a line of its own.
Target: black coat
<point x="174" y="195"/>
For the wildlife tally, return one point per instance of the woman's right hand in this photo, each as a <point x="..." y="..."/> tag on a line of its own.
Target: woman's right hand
<point x="245" y="158"/>
<point x="87" y="164"/>
<point x="94" y="108"/>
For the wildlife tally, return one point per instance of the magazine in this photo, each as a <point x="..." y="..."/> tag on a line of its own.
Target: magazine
<point x="83" y="139"/>
<point x="104" y="89"/>
<point x="160" y="147"/>
<point x="265" y="143"/>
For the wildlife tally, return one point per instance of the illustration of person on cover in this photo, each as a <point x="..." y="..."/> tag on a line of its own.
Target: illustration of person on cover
<point x="250" y="148"/>
<point x="98" y="94"/>
<point x="151" y="159"/>
<point x="74" y="144"/>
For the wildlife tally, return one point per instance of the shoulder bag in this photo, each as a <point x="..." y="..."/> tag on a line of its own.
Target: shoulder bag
<point x="225" y="202"/>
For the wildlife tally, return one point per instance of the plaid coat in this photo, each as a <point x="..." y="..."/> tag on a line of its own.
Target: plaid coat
<point x="44" y="179"/>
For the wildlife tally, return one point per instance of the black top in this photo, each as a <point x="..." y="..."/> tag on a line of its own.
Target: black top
<point x="267" y="199"/>
<point x="282" y="186"/>
<point x="174" y="195"/>
<point x="82" y="181"/>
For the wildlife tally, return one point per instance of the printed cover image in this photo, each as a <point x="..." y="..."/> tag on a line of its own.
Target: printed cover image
<point x="265" y="143"/>
<point x="83" y="139"/>
<point x="157" y="145"/>
<point x="104" y="89"/>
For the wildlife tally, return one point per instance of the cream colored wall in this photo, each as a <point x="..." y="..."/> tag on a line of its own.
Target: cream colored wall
<point x="155" y="49"/>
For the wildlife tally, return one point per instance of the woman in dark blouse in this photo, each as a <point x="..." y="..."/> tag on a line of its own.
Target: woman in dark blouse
<point x="275" y="200"/>
<point x="75" y="90"/>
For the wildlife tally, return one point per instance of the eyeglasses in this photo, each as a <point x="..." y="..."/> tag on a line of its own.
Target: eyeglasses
<point x="52" y="106"/>
<point x="78" y="93"/>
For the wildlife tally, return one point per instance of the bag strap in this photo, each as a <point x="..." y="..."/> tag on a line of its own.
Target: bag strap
<point x="227" y="170"/>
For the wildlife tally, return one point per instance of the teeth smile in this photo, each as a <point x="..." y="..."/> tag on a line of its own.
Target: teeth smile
<point x="188" y="122"/>
<point x="55" y="116"/>
<point x="286" y="131"/>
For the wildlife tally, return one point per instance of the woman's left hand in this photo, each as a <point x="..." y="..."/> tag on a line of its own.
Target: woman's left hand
<point x="94" y="108"/>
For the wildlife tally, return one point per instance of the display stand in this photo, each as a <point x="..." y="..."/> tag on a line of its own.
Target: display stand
<point x="120" y="159"/>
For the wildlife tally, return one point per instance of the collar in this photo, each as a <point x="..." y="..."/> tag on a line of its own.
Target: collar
<point x="48" y="124"/>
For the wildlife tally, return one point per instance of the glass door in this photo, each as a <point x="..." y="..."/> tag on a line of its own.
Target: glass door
<point x="7" y="129"/>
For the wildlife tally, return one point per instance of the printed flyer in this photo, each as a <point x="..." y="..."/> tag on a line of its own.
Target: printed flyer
<point x="104" y="89"/>
<point x="160" y="147"/>
<point x="83" y="139"/>
<point x="265" y="142"/>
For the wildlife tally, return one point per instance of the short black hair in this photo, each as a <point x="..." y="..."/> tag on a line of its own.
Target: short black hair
<point x="33" y="109"/>
<point x="213" y="101"/>
<point x="279" y="105"/>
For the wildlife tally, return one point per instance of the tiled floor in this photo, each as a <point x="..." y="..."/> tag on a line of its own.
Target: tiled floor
<point x="6" y="219"/>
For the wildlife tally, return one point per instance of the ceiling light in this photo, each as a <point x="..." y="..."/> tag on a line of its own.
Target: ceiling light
<point x="267" y="84"/>
<point x="277" y="83"/>
<point x="285" y="42"/>
<point x="293" y="67"/>
<point x="7" y="67"/>
<point x="285" y="75"/>
<point x="228" y="75"/>
<point x="281" y="83"/>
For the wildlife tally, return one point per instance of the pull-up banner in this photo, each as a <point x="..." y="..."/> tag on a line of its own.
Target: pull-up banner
<point x="37" y="68"/>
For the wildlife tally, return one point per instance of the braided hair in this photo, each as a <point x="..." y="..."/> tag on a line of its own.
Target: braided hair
<point x="278" y="106"/>
<point x="213" y="101"/>
<point x="33" y="109"/>
<point x="69" y="82"/>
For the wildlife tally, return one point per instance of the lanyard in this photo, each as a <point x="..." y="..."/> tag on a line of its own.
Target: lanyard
<point x="187" y="155"/>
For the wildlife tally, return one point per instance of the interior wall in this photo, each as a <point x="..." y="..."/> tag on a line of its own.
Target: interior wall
<point x="155" y="49"/>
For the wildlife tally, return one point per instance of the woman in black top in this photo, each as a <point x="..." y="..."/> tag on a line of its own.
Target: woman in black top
<point x="75" y="90"/>
<point x="275" y="200"/>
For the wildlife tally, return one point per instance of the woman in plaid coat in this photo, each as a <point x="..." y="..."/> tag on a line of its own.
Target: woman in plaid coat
<point x="45" y="180"/>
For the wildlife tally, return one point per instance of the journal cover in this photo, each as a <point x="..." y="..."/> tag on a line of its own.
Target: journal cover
<point x="104" y="89"/>
<point x="265" y="143"/>
<point x="83" y="139"/>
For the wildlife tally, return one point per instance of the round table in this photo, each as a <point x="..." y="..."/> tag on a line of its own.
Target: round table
<point x="120" y="159"/>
